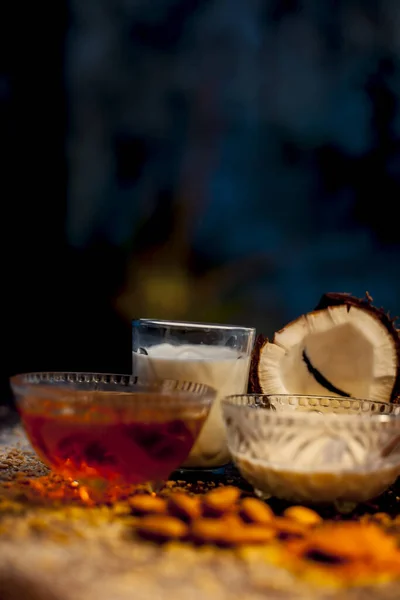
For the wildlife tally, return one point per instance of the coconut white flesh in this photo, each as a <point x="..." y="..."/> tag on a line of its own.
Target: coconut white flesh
<point x="348" y="346"/>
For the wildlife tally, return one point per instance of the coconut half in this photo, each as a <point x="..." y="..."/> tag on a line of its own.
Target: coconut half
<point x="346" y="347"/>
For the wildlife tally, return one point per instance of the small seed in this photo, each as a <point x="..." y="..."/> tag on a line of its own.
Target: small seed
<point x="143" y="504"/>
<point x="184" y="507"/>
<point x="161" y="528"/>
<point x="303" y="515"/>
<point x="220" y="500"/>
<point x="253" y="510"/>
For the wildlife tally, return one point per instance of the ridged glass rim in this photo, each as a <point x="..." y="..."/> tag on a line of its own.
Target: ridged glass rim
<point x="186" y="391"/>
<point x="291" y="418"/>
<point x="192" y="325"/>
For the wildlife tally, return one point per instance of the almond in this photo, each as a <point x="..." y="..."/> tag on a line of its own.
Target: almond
<point x="250" y="534"/>
<point x="303" y="515"/>
<point x="210" y="531"/>
<point x="220" y="500"/>
<point x="184" y="507"/>
<point x="161" y="528"/>
<point x="253" y="510"/>
<point x="143" y="504"/>
<point x="230" y="532"/>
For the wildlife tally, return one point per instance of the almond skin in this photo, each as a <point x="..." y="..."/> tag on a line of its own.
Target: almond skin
<point x="161" y="528"/>
<point x="303" y="515"/>
<point x="147" y="505"/>
<point x="230" y="532"/>
<point x="253" y="510"/>
<point x="220" y="501"/>
<point x="184" y="507"/>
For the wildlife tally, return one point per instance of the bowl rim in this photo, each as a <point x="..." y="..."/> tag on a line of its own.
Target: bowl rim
<point x="291" y="417"/>
<point x="120" y="383"/>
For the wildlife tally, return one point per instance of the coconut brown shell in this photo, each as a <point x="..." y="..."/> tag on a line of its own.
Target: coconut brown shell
<point x="337" y="299"/>
<point x="254" y="383"/>
<point x="340" y="299"/>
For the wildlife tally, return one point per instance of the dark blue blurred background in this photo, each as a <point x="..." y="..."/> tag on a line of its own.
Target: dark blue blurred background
<point x="224" y="160"/>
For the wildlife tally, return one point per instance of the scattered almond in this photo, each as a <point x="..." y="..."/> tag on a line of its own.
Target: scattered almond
<point x="143" y="504"/>
<point x="161" y="528"/>
<point x="220" y="500"/>
<point x="210" y="531"/>
<point x="250" y="534"/>
<point x="184" y="507"/>
<point x="350" y="551"/>
<point x="253" y="510"/>
<point x="230" y="531"/>
<point x="303" y="515"/>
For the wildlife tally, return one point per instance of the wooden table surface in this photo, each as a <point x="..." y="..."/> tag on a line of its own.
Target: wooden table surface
<point x="83" y="557"/>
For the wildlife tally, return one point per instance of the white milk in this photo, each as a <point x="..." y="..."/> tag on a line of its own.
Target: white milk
<point x="219" y="367"/>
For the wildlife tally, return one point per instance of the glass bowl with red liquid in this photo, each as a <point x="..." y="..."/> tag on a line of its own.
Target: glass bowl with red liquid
<point x="107" y="430"/>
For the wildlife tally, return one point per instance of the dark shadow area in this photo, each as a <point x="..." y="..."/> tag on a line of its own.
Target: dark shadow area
<point x="191" y="161"/>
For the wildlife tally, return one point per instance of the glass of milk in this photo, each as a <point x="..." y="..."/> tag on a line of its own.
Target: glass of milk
<point x="215" y="355"/>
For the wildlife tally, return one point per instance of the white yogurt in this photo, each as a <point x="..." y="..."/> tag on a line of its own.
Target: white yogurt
<point x="219" y="367"/>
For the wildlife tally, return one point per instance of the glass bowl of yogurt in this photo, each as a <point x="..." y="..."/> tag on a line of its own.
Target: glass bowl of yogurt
<point x="214" y="355"/>
<point x="314" y="449"/>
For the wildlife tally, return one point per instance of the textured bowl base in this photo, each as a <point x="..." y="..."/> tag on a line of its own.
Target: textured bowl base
<point x="341" y="488"/>
<point x="187" y="473"/>
<point x="345" y="508"/>
<point x="342" y="507"/>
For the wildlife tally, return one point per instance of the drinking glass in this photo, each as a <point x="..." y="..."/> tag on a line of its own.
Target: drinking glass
<point x="215" y="355"/>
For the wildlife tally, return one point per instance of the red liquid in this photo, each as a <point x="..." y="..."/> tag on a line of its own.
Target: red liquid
<point x="118" y="451"/>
